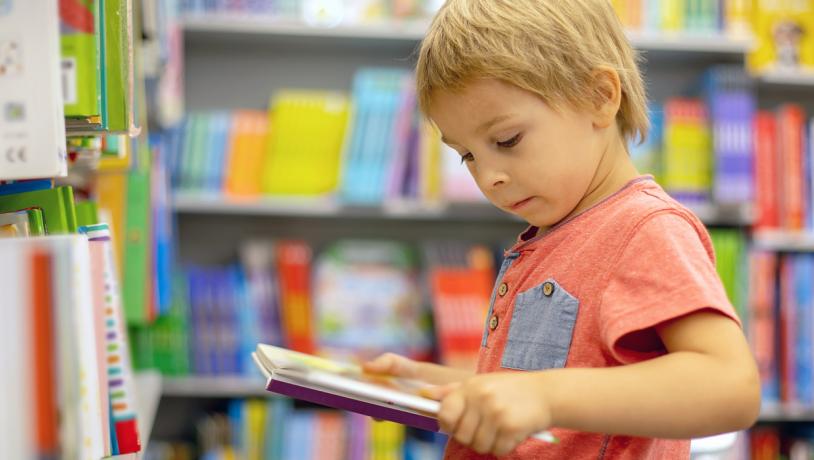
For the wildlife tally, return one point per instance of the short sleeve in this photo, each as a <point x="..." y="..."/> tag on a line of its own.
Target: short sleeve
<point x="666" y="271"/>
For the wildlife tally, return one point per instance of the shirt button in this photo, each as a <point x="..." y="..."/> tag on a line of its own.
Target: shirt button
<point x="493" y="323"/>
<point x="503" y="289"/>
<point x="548" y="288"/>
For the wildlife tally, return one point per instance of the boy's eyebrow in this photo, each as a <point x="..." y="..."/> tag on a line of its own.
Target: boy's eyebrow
<point x="494" y="121"/>
<point x="483" y="127"/>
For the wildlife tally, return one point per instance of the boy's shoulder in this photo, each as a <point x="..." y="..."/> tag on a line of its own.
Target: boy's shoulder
<point x="643" y="199"/>
<point x="647" y="205"/>
<point x="656" y="216"/>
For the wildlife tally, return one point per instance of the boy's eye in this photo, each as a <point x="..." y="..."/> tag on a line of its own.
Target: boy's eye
<point x="507" y="144"/>
<point x="467" y="157"/>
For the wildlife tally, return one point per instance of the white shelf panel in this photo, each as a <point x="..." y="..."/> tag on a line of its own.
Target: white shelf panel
<point x="414" y="30"/>
<point x="786" y="413"/>
<point x="330" y="208"/>
<point x="247" y="387"/>
<point x="186" y="203"/>
<point x="214" y="387"/>
<point x="411" y="31"/>
<point x="690" y="43"/>
<point x="780" y="240"/>
<point x="787" y="78"/>
<point x="734" y="215"/>
<point x="148" y="395"/>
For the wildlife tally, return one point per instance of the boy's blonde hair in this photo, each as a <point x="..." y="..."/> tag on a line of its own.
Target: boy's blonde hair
<point x="548" y="47"/>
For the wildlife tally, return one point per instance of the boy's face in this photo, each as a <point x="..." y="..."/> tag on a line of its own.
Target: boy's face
<point x="526" y="158"/>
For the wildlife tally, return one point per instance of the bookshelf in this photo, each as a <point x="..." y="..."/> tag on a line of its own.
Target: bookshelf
<point x="238" y="62"/>
<point x="327" y="208"/>
<point x="258" y="29"/>
<point x="787" y="78"/>
<point x="197" y="387"/>
<point x="214" y="387"/>
<point x="148" y="395"/>
<point x="784" y="241"/>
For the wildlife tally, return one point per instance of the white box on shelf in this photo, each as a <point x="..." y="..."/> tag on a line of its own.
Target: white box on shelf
<point x="32" y="120"/>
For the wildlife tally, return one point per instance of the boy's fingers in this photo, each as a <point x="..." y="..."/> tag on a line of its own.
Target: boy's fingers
<point x="452" y="408"/>
<point x="439" y="392"/>
<point x="380" y="365"/>
<point x="467" y="427"/>
<point x="484" y="440"/>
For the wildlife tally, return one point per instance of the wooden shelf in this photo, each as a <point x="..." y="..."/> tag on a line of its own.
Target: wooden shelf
<point x="787" y="78"/>
<point x="326" y="208"/>
<point x="690" y="43"/>
<point x="784" y="241"/>
<point x="248" y="387"/>
<point x="148" y="395"/>
<point x="214" y="387"/>
<point x="786" y="413"/>
<point x="252" y="29"/>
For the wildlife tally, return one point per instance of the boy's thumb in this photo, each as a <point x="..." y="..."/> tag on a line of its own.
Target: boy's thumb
<point x="439" y="392"/>
<point x="383" y="364"/>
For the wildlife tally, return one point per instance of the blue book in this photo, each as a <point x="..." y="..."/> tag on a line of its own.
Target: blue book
<point x="804" y="296"/>
<point x="376" y="95"/>
<point x="184" y="173"/>
<point x="26" y="186"/>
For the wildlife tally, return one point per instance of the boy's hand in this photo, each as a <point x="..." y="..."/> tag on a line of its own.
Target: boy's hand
<point x="392" y="364"/>
<point x="493" y="413"/>
<point x="399" y="366"/>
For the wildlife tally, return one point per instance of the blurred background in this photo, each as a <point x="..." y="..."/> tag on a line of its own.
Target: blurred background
<point x="272" y="181"/>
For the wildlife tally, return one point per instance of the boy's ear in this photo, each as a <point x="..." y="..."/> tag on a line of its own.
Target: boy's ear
<point x="607" y="96"/>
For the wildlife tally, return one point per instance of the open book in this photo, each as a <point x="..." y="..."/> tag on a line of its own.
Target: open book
<point x="345" y="386"/>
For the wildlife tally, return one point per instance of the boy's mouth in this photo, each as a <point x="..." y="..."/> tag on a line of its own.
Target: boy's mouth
<point x="520" y="204"/>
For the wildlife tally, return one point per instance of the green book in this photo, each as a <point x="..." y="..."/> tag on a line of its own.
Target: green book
<point x="36" y="224"/>
<point x="56" y="205"/>
<point x="117" y="31"/>
<point x="79" y="74"/>
<point x="136" y="282"/>
<point x="87" y="213"/>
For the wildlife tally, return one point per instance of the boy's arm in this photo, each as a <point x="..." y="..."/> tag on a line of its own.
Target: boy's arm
<point x="708" y="383"/>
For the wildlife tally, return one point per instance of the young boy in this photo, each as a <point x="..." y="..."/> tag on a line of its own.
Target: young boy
<point x="608" y="323"/>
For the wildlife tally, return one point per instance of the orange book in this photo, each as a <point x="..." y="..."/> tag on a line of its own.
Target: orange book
<point x="46" y="430"/>
<point x="767" y="205"/>
<point x="247" y="152"/>
<point x="790" y="129"/>
<point x="294" y="272"/>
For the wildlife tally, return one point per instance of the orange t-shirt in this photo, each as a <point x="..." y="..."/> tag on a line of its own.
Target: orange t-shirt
<point x="567" y="298"/>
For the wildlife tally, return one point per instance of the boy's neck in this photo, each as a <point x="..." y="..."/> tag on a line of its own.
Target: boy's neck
<point x="614" y="172"/>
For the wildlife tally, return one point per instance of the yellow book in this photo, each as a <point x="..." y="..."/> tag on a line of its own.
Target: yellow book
<point x="784" y="30"/>
<point x="737" y="18"/>
<point x="304" y="149"/>
<point x="255" y="426"/>
<point x="118" y="153"/>
<point x="672" y="15"/>
<point x="430" y="163"/>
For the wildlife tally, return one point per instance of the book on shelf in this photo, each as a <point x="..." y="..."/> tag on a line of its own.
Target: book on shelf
<point x="345" y="386"/>
<point x="98" y="68"/>
<point x="785" y="36"/>
<point x="32" y="124"/>
<point x="59" y="294"/>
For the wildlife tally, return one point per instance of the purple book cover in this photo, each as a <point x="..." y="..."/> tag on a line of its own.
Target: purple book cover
<point x="732" y="107"/>
<point x="341" y="402"/>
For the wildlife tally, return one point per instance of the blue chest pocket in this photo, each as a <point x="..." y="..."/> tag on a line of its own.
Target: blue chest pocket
<point x="541" y="328"/>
